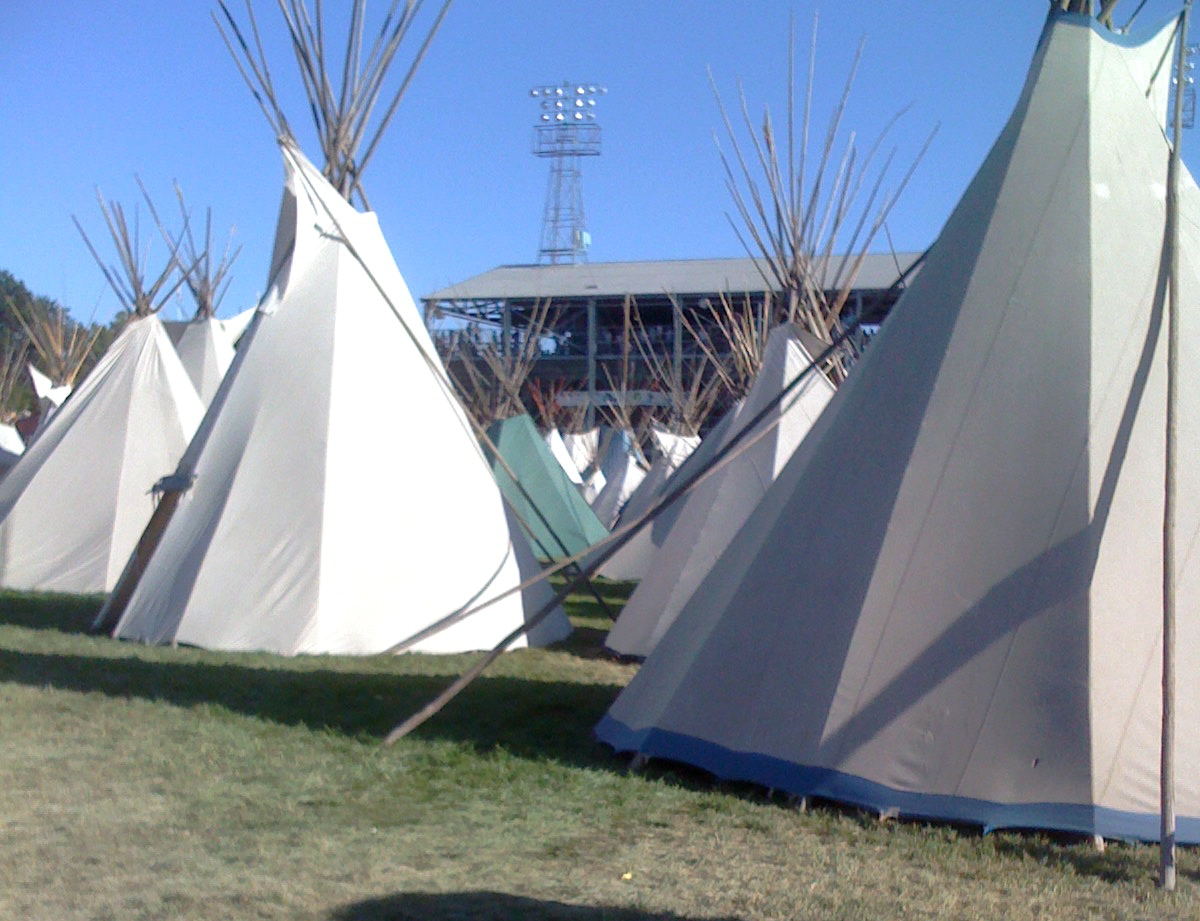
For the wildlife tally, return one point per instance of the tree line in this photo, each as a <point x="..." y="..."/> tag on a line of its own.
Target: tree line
<point x="32" y="325"/>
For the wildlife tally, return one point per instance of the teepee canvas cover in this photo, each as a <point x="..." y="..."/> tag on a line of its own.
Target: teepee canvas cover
<point x="73" y="507"/>
<point x="10" y="440"/>
<point x="206" y="350"/>
<point x="720" y="505"/>
<point x="632" y="560"/>
<point x="341" y="503"/>
<point x="557" y="626"/>
<point x="674" y="448"/>
<point x="235" y="325"/>
<point x="593" y="484"/>
<point x="559" y="521"/>
<point x="664" y="523"/>
<point x="554" y="441"/>
<point x="623" y="474"/>
<point x="948" y="604"/>
<point x="582" y="446"/>
<point x="49" y="396"/>
<point x="46" y="392"/>
<point x="11" y="447"/>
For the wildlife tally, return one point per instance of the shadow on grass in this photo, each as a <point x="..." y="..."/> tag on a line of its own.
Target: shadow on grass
<point x="76" y="613"/>
<point x="484" y="906"/>
<point x="539" y="720"/>
<point x="586" y="642"/>
<point x="584" y="604"/>
<point x="43" y="611"/>
<point x="530" y="718"/>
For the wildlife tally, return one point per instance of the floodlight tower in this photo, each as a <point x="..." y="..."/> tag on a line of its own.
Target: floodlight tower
<point x="566" y="130"/>
<point x="1189" y="88"/>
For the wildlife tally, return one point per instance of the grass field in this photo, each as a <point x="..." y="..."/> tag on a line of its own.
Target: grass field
<point x="176" y="783"/>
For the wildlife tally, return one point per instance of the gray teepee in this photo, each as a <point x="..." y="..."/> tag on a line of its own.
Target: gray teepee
<point x="948" y="603"/>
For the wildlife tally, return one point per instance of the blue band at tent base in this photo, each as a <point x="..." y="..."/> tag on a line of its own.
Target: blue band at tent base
<point x="806" y="780"/>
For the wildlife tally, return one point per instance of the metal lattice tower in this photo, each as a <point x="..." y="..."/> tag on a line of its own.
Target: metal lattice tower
<point x="565" y="132"/>
<point x="1189" y="90"/>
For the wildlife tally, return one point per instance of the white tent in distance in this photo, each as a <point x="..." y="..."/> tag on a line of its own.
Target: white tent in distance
<point x="711" y="515"/>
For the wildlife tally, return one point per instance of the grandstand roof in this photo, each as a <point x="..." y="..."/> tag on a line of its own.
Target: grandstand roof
<point x="679" y="276"/>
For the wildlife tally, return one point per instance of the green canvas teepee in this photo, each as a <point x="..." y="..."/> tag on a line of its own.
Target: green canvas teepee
<point x="559" y="521"/>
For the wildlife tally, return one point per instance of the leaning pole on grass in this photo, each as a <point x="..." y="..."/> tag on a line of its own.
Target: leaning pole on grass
<point x="737" y="443"/>
<point x="1166" y="866"/>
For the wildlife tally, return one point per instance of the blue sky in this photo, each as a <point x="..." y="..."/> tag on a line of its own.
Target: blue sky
<point x="98" y="90"/>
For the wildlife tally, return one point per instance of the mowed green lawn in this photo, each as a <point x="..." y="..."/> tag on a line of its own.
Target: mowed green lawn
<point x="175" y="783"/>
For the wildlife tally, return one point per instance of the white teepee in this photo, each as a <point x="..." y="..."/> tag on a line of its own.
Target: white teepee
<point x="593" y="484"/>
<point x="582" y="447"/>
<point x="10" y="440"/>
<point x="11" y="447"/>
<point x="713" y="513"/>
<point x="235" y="325"/>
<point x="49" y="397"/>
<point x="62" y="347"/>
<point x="204" y="345"/>
<point x="206" y="351"/>
<point x="949" y="602"/>
<point x="623" y="469"/>
<point x="311" y="526"/>
<point x="554" y="441"/>
<point x="674" y="448"/>
<point x="73" y="507"/>
<point x="632" y="560"/>
<point x="46" y="391"/>
<point x="535" y="596"/>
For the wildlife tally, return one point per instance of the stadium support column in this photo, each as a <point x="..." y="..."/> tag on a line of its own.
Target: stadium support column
<point x="860" y="339"/>
<point x="590" y="421"/>
<point x="506" y="331"/>
<point x="677" y="359"/>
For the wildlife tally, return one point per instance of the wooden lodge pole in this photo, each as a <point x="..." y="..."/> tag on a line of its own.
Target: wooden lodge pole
<point x="1166" y="867"/>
